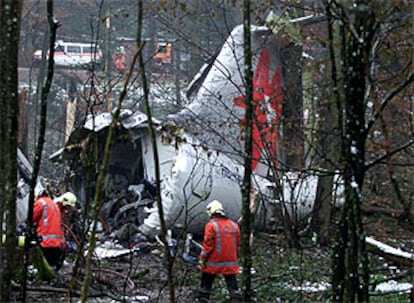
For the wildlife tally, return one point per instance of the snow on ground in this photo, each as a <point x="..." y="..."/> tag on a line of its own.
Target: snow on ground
<point x="384" y="287"/>
<point x="393" y="286"/>
<point x="311" y="287"/>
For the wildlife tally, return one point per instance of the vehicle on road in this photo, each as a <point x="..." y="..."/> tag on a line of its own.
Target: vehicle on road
<point x="73" y="54"/>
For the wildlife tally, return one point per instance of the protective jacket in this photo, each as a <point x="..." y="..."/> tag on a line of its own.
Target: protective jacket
<point x="46" y="215"/>
<point x="220" y="247"/>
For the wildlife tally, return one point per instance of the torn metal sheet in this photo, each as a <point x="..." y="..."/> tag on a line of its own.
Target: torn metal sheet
<point x="111" y="251"/>
<point x="25" y="168"/>
<point x="22" y="199"/>
<point x="128" y="120"/>
<point x="24" y="175"/>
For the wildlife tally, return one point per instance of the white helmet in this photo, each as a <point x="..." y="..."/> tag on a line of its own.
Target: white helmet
<point x="215" y="207"/>
<point x="67" y="199"/>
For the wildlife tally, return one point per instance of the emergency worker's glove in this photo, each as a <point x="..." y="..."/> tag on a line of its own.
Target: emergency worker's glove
<point x="201" y="264"/>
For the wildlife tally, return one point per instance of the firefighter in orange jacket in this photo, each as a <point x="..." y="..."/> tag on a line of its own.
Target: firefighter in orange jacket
<point x="219" y="253"/>
<point x="47" y="217"/>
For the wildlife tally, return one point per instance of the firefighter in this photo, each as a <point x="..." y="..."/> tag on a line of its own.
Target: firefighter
<point x="67" y="204"/>
<point x="70" y="212"/>
<point x="219" y="253"/>
<point x="47" y="218"/>
<point x="119" y="59"/>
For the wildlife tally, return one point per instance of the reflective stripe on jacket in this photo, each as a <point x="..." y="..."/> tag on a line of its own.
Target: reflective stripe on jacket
<point x="46" y="215"/>
<point x="221" y="245"/>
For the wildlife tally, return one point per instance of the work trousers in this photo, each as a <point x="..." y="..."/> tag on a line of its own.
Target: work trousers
<point x="207" y="281"/>
<point x="54" y="256"/>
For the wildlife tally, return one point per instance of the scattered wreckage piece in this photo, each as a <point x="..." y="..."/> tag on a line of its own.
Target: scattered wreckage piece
<point x="110" y="250"/>
<point x="24" y="175"/>
<point x="132" y="213"/>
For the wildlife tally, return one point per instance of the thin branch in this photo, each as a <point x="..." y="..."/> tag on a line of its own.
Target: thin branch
<point x="389" y="154"/>
<point x="384" y="102"/>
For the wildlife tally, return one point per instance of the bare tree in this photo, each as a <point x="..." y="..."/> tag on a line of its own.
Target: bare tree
<point x="359" y="29"/>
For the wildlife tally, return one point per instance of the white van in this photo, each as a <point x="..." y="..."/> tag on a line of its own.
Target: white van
<point x="73" y="54"/>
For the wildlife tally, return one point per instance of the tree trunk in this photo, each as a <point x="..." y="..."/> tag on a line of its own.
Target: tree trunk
<point x="322" y="210"/>
<point x="10" y="14"/>
<point x="293" y="142"/>
<point x="350" y="272"/>
<point x="246" y="226"/>
<point x="327" y="154"/>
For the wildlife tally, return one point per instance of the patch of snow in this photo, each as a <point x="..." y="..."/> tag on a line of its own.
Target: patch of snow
<point x="134" y="299"/>
<point x="311" y="287"/>
<point x="354" y="150"/>
<point x="393" y="286"/>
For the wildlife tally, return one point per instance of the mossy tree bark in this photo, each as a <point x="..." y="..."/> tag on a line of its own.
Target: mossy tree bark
<point x="10" y="15"/>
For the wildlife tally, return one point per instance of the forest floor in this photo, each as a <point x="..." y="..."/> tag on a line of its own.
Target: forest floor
<point x="280" y="273"/>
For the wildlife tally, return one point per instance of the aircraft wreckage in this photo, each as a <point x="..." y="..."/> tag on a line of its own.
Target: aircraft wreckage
<point x="200" y="147"/>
